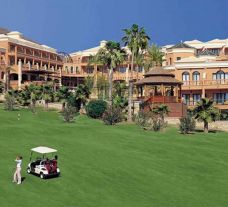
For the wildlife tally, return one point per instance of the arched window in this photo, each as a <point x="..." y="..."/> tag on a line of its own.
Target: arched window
<point x="66" y="69"/>
<point x="71" y="69"/>
<point x="185" y="78"/>
<point x="220" y="75"/>
<point x="77" y="70"/>
<point x="196" y="76"/>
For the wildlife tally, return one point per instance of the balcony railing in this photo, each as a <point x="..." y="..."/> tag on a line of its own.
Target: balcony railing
<point x="206" y="82"/>
<point x="26" y="67"/>
<point x="116" y="75"/>
<point x="37" y="54"/>
<point x="216" y="101"/>
<point x="162" y="99"/>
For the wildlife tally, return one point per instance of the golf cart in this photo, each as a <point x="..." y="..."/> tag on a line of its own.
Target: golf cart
<point x="43" y="166"/>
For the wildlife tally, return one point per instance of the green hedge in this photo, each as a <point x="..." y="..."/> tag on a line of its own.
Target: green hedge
<point x="96" y="108"/>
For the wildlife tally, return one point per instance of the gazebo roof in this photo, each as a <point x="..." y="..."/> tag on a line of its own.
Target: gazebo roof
<point x="158" y="71"/>
<point x="157" y="76"/>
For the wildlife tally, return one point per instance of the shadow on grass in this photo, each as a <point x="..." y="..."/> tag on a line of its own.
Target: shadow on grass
<point x="23" y="179"/>
<point x="210" y="131"/>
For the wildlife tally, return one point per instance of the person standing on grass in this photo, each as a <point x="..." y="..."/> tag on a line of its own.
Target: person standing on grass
<point x="17" y="174"/>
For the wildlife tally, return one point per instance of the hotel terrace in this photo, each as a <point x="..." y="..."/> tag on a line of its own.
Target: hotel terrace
<point x="202" y="67"/>
<point x="74" y="73"/>
<point x="27" y="61"/>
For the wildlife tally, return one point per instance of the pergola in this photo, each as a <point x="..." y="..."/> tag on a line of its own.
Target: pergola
<point x="159" y="86"/>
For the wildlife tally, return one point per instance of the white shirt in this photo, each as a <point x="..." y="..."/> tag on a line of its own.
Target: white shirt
<point x="18" y="163"/>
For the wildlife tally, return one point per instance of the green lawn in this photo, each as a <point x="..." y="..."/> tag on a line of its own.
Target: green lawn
<point x="112" y="166"/>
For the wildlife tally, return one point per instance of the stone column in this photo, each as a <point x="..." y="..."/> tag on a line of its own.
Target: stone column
<point x="29" y="65"/>
<point x="203" y="93"/>
<point x="60" y="79"/>
<point x="19" y="74"/>
<point x="15" y="55"/>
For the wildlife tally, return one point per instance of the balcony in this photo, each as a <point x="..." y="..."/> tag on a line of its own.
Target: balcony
<point x="119" y="76"/>
<point x="20" y="50"/>
<point x="207" y="84"/>
<point x="80" y="73"/>
<point x="38" y="55"/>
<point x="116" y="75"/>
<point x="161" y="99"/>
<point x="219" y="103"/>
<point x="14" y="83"/>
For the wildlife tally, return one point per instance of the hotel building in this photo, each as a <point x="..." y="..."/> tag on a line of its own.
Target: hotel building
<point x="26" y="61"/>
<point x="203" y="69"/>
<point x="74" y="73"/>
<point x="201" y="66"/>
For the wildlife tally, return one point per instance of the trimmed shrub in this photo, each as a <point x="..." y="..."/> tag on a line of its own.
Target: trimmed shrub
<point x="158" y="123"/>
<point x="187" y="124"/>
<point x="96" y="108"/>
<point x="10" y="102"/>
<point x="143" y="119"/>
<point x="112" y="115"/>
<point x="224" y="115"/>
<point x="150" y="120"/>
<point x="69" y="113"/>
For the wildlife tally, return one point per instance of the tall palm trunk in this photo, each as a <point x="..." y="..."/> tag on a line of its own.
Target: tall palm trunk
<point x="7" y="80"/>
<point x="130" y="89"/>
<point x="110" y="85"/>
<point x="206" y="126"/>
<point x="46" y="105"/>
<point x="137" y="72"/>
<point x="63" y="105"/>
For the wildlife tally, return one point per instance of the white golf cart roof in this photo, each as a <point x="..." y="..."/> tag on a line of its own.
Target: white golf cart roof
<point x="43" y="150"/>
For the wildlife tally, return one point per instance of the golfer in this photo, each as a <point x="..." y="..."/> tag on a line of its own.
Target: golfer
<point x="17" y="174"/>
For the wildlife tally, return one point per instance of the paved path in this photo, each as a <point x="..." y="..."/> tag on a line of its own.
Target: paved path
<point x="218" y="125"/>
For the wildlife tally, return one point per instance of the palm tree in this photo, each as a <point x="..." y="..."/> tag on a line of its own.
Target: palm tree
<point x="111" y="56"/>
<point x="47" y="94"/>
<point x="154" y="57"/>
<point x="35" y="94"/>
<point x="89" y="83"/>
<point x="81" y="95"/>
<point x="63" y="94"/>
<point x="102" y="82"/>
<point x="136" y="40"/>
<point x="139" y="62"/>
<point x="47" y="98"/>
<point x="206" y="112"/>
<point x="161" y="110"/>
<point x="7" y="78"/>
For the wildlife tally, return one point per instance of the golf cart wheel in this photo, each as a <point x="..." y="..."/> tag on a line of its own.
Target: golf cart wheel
<point x="42" y="176"/>
<point x="28" y="170"/>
